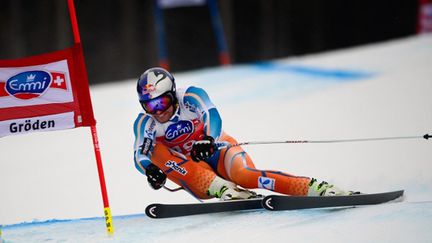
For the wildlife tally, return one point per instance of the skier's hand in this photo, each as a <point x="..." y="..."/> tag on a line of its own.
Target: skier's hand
<point x="155" y="176"/>
<point x="203" y="149"/>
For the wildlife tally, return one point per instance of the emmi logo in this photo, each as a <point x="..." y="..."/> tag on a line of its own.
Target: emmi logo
<point x="28" y="85"/>
<point x="180" y="131"/>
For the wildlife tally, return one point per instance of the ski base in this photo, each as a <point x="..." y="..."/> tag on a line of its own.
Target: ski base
<point x="158" y="210"/>
<point x="280" y="202"/>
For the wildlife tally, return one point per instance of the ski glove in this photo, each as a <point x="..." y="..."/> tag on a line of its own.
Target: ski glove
<point x="155" y="176"/>
<point x="203" y="149"/>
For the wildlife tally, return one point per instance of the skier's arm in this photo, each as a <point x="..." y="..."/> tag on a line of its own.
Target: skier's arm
<point x="144" y="131"/>
<point x="197" y="100"/>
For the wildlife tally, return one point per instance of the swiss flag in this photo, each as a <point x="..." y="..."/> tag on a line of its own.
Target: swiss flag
<point x="58" y="81"/>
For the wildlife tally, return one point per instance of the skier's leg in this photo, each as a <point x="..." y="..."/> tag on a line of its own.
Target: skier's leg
<point x="236" y="165"/>
<point x="239" y="168"/>
<point x="193" y="177"/>
<point x="197" y="178"/>
<point x="242" y="171"/>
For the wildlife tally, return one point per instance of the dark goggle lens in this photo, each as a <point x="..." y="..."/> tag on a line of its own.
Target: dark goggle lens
<point x="161" y="104"/>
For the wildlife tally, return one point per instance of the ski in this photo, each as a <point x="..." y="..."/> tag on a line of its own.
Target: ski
<point x="158" y="210"/>
<point x="272" y="202"/>
<point x="280" y="202"/>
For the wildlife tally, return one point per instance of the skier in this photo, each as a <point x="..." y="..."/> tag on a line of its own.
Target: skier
<point x="178" y="136"/>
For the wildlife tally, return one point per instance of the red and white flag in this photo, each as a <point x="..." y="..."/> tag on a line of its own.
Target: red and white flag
<point x="44" y="93"/>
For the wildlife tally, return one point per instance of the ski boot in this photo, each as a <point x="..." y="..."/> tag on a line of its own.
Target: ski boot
<point x="226" y="190"/>
<point x="324" y="189"/>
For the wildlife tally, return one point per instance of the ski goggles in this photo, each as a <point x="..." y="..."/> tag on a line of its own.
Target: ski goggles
<point x="158" y="104"/>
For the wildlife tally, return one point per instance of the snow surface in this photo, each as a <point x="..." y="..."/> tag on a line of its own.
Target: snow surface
<point x="50" y="189"/>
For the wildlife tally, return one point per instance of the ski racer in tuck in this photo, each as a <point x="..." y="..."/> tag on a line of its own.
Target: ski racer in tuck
<point x="177" y="136"/>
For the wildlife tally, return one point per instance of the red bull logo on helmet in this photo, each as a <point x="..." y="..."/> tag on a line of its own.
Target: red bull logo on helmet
<point x="148" y="88"/>
<point x="32" y="84"/>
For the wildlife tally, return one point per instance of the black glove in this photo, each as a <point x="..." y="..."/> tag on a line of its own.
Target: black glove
<point x="203" y="149"/>
<point x="155" y="176"/>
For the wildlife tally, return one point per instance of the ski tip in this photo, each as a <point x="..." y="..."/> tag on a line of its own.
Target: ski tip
<point x="150" y="211"/>
<point x="400" y="193"/>
<point x="400" y="197"/>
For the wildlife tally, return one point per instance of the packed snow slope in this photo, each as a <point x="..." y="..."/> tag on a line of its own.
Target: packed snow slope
<point x="377" y="90"/>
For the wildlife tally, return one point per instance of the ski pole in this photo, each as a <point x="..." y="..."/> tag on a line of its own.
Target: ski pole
<point x="223" y="145"/>
<point x="181" y="188"/>
<point x="173" y="190"/>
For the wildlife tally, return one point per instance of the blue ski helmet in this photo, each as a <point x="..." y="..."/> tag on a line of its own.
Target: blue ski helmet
<point x="155" y="82"/>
